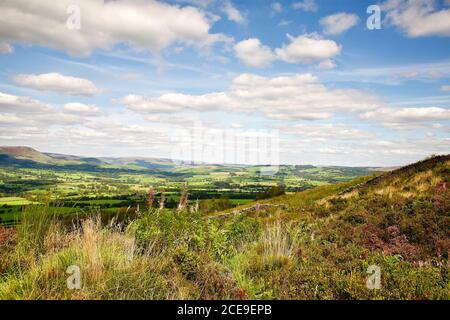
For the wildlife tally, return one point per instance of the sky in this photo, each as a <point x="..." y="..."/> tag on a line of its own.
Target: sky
<point x="315" y="81"/>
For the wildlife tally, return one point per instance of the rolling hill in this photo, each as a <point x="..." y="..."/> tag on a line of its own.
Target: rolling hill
<point x="318" y="244"/>
<point x="26" y="156"/>
<point x="25" y="153"/>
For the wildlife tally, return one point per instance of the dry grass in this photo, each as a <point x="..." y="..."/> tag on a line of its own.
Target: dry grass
<point x="276" y="243"/>
<point x="351" y="194"/>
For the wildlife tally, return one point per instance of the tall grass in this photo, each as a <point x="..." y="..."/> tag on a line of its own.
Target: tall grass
<point x="35" y="223"/>
<point x="276" y="242"/>
<point x="177" y="254"/>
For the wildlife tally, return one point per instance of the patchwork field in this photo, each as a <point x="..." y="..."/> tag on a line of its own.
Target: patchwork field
<point x="315" y="244"/>
<point x="107" y="189"/>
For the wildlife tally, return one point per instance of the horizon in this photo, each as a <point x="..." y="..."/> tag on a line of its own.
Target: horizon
<point x="190" y="162"/>
<point x="355" y="85"/>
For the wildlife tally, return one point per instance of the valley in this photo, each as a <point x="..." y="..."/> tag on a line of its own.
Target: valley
<point x="75" y="184"/>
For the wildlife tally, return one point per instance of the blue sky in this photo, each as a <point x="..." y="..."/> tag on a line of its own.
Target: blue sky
<point x="137" y="77"/>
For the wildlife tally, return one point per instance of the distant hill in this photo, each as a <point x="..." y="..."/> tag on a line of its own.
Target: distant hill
<point x="26" y="156"/>
<point x="25" y="153"/>
<point x="149" y="163"/>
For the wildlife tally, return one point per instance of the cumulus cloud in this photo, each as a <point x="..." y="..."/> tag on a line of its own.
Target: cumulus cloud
<point x="174" y="102"/>
<point x="232" y="13"/>
<point x="149" y="25"/>
<point x="306" y="5"/>
<point x="58" y="83"/>
<point x="253" y="54"/>
<point x="418" y="18"/>
<point x="338" y="23"/>
<point x="300" y="96"/>
<point x="24" y="112"/>
<point x="326" y="64"/>
<point x="13" y="103"/>
<point x="407" y="118"/>
<point x="307" y="49"/>
<point x="445" y="88"/>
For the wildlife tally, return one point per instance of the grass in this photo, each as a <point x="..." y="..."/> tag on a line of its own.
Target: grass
<point x="14" y="201"/>
<point x="319" y="245"/>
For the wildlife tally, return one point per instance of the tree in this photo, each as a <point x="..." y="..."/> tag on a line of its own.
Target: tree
<point x="272" y="192"/>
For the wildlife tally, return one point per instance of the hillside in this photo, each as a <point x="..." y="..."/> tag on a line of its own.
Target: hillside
<point x="405" y="211"/>
<point x="316" y="244"/>
<point x="17" y="155"/>
<point x="25" y="153"/>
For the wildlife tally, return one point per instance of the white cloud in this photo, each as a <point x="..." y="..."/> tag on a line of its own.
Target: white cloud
<point x="24" y="112"/>
<point x="407" y="118"/>
<point x="252" y="53"/>
<point x="12" y="103"/>
<point x="173" y="102"/>
<point x="232" y="13"/>
<point x="276" y="7"/>
<point x="149" y="25"/>
<point x="326" y="132"/>
<point x="306" y="5"/>
<point x="299" y="96"/>
<point x="308" y="49"/>
<point x="338" y="23"/>
<point x="418" y="18"/>
<point x="9" y="119"/>
<point x="6" y="48"/>
<point x="58" y="83"/>
<point x="445" y="88"/>
<point x="326" y="64"/>
<point x="82" y="109"/>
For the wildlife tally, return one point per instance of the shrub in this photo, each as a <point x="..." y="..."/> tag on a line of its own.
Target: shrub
<point x="243" y="229"/>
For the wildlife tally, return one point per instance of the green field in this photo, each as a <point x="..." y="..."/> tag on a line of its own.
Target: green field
<point x="315" y="244"/>
<point x="14" y="201"/>
<point x="73" y="186"/>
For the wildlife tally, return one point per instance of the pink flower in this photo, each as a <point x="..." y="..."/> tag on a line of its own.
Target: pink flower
<point x="150" y="197"/>
<point x="183" y="200"/>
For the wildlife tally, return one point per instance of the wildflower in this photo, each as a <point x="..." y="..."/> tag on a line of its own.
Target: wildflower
<point x="150" y="197"/>
<point x="184" y="199"/>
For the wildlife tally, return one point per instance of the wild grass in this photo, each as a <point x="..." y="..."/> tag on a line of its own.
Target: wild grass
<point x="276" y="245"/>
<point x="318" y="246"/>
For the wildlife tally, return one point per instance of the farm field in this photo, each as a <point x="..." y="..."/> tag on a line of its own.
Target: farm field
<point x="110" y="188"/>
<point x="313" y="244"/>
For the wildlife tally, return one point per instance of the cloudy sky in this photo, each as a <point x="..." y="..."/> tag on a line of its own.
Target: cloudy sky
<point x="130" y="75"/>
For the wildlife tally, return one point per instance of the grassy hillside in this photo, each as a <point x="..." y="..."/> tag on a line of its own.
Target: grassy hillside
<point x="25" y="153"/>
<point x="317" y="244"/>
